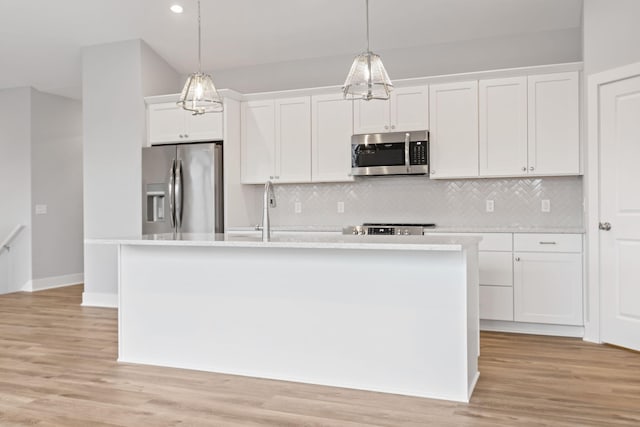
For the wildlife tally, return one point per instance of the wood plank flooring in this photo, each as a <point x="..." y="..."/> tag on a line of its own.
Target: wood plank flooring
<point x="58" y="368"/>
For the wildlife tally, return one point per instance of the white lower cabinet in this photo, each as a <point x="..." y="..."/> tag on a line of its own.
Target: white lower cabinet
<point x="496" y="302"/>
<point x="547" y="278"/>
<point x="532" y="278"/>
<point x="547" y="287"/>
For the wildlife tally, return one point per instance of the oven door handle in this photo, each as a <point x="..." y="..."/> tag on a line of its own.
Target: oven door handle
<point x="407" y="157"/>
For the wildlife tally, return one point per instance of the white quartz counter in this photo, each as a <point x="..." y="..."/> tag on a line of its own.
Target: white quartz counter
<point x="302" y="240"/>
<point x="437" y="229"/>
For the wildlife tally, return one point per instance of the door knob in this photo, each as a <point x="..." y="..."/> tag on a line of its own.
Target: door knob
<point x="604" y="226"/>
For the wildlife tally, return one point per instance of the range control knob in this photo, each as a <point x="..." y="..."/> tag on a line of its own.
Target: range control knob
<point x="406" y="232"/>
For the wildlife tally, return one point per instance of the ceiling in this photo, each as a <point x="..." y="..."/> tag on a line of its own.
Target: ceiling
<point x="41" y="40"/>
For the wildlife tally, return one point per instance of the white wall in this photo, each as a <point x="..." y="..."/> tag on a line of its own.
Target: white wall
<point x="611" y="34"/>
<point x="542" y="48"/>
<point x="116" y="77"/>
<point x="15" y="186"/>
<point x="56" y="181"/>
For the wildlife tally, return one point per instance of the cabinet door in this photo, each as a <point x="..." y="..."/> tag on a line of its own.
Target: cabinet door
<point x="503" y="127"/>
<point x="293" y="140"/>
<point x="496" y="303"/>
<point x="547" y="288"/>
<point x="331" y="130"/>
<point x="204" y="127"/>
<point x="371" y="116"/>
<point x="554" y="129"/>
<point x="257" y="141"/>
<point x="453" y="119"/>
<point x="165" y="123"/>
<point x="409" y="109"/>
<point x="496" y="268"/>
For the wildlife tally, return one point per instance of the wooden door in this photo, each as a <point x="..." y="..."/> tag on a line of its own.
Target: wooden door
<point x="619" y="114"/>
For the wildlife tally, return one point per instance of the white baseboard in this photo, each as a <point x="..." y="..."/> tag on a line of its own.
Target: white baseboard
<point x="97" y="299"/>
<point x="35" y="285"/>
<point x="532" y="328"/>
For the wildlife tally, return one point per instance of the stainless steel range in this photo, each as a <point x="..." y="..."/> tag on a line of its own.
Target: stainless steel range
<point x="387" y="229"/>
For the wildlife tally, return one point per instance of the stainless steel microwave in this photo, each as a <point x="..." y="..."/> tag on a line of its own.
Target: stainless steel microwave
<point x="394" y="153"/>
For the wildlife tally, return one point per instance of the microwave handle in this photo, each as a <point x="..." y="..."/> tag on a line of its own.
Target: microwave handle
<point x="407" y="157"/>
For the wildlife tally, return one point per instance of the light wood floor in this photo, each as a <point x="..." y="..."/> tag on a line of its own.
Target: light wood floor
<point x="58" y="368"/>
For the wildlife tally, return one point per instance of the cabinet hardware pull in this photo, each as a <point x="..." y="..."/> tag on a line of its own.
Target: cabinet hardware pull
<point x="531" y="168"/>
<point x="524" y="168"/>
<point x="547" y="243"/>
<point x="517" y="258"/>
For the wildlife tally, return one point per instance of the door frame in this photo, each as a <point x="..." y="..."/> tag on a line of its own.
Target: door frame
<point x="592" y="185"/>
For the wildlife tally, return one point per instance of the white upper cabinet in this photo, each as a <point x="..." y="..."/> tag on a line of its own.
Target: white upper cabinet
<point x="332" y="127"/>
<point x="168" y="123"/>
<point x="276" y="141"/>
<point x="293" y="140"/>
<point x="406" y="110"/>
<point x="453" y="116"/>
<point x="554" y="124"/>
<point x="257" y="144"/>
<point x="503" y="126"/>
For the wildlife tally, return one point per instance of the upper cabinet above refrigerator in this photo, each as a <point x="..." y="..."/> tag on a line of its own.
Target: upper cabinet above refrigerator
<point x="169" y="124"/>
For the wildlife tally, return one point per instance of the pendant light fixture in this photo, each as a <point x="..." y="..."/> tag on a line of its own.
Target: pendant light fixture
<point x="199" y="94"/>
<point x="367" y="78"/>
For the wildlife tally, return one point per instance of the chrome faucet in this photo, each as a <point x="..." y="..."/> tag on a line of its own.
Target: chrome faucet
<point x="268" y="200"/>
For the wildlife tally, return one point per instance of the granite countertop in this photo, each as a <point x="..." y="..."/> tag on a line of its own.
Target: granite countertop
<point x="309" y="240"/>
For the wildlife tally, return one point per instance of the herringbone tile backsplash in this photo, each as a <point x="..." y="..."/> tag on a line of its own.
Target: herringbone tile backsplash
<point x="454" y="203"/>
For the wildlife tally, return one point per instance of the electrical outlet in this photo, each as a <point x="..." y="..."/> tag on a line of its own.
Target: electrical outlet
<point x="546" y="205"/>
<point x="297" y="207"/>
<point x="41" y="209"/>
<point x="340" y="207"/>
<point x="490" y="205"/>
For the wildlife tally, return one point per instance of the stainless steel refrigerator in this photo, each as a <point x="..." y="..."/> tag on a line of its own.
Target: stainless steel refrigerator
<point x="182" y="189"/>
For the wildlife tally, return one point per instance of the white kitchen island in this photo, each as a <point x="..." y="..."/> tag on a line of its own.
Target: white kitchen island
<point x="390" y="314"/>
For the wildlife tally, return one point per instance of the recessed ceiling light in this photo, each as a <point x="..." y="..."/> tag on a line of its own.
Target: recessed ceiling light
<point x="176" y="8"/>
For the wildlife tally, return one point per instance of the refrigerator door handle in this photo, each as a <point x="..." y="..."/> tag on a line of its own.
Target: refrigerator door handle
<point x="178" y="195"/>
<point x="172" y="185"/>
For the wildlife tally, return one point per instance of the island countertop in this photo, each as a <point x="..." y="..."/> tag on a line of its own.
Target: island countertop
<point x="299" y="241"/>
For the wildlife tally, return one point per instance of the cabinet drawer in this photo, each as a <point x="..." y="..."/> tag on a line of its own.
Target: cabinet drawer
<point x="537" y="242"/>
<point x="496" y="242"/>
<point x="496" y="303"/>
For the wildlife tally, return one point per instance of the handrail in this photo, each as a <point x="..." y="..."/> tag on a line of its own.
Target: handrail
<point x="7" y="242"/>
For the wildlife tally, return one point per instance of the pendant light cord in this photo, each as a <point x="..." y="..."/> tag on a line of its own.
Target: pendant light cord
<point x="367" y="7"/>
<point x="200" y="41"/>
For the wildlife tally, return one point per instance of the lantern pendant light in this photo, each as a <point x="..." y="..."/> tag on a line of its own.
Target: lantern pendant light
<point x="199" y="94"/>
<point x="367" y="78"/>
